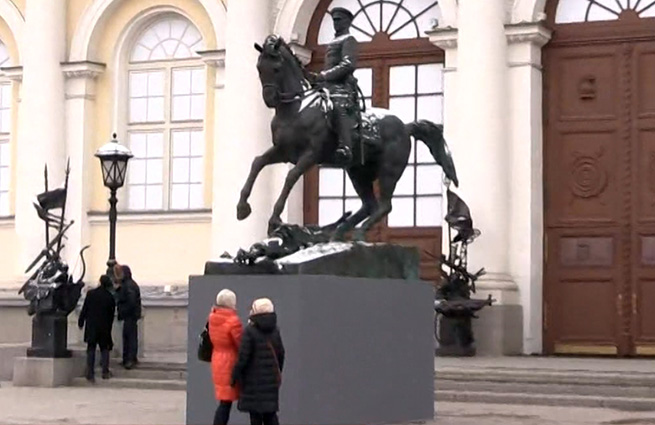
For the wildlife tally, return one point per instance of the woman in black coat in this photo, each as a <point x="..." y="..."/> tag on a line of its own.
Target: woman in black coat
<point x="258" y="370"/>
<point x="98" y="316"/>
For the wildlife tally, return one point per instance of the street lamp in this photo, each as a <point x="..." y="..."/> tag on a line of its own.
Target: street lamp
<point x="113" y="161"/>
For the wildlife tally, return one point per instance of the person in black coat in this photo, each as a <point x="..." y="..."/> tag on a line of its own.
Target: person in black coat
<point x="129" y="312"/>
<point x="97" y="318"/>
<point x="258" y="371"/>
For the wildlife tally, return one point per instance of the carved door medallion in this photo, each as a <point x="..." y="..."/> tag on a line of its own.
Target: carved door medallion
<point x="599" y="189"/>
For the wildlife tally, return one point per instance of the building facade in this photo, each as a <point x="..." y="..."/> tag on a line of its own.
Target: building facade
<point x="547" y="106"/>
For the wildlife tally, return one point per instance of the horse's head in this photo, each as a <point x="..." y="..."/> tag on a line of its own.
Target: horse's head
<point x="280" y="72"/>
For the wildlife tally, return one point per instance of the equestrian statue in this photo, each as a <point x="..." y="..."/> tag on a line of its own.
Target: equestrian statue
<point x="319" y="121"/>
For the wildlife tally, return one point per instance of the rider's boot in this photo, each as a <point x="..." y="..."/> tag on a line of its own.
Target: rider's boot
<point x="344" y="152"/>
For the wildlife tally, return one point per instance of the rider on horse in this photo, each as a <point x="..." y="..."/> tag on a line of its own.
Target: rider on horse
<point x="340" y="64"/>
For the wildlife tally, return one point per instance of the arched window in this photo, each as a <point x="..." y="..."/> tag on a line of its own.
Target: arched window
<point x="401" y="70"/>
<point x="397" y="19"/>
<point x="5" y="132"/>
<point x="166" y="86"/>
<point x="570" y="11"/>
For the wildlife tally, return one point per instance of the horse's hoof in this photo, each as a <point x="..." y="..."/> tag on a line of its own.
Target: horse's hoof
<point x="273" y="225"/>
<point x="243" y="210"/>
<point x="359" y="236"/>
<point x="338" y="237"/>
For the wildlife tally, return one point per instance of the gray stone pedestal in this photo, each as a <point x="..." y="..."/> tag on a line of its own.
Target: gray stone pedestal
<point x="358" y="350"/>
<point x="47" y="372"/>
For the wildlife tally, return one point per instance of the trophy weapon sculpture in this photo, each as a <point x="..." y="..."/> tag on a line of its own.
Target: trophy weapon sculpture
<point x="50" y="289"/>
<point x="453" y="303"/>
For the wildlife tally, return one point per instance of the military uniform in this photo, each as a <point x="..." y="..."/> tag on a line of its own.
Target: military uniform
<point x="340" y="64"/>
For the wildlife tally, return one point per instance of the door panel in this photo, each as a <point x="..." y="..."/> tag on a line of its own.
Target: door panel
<point x="643" y="225"/>
<point x="584" y="217"/>
<point x="599" y="150"/>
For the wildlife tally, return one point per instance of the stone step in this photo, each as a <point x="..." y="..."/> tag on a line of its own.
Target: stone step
<point x="146" y="373"/>
<point x="563" y="377"/>
<point x="160" y="365"/>
<point x="619" y="403"/>
<point x="145" y="384"/>
<point x="567" y="389"/>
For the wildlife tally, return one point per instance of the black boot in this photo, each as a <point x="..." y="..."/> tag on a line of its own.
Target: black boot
<point x="90" y="363"/>
<point x="104" y="360"/>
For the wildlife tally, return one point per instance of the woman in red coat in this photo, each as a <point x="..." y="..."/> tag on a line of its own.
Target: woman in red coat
<point x="225" y="333"/>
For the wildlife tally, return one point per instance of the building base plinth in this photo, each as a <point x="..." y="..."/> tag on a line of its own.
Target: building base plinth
<point x="47" y="372"/>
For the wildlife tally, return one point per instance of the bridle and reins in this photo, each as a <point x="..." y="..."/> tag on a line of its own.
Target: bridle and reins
<point x="290" y="97"/>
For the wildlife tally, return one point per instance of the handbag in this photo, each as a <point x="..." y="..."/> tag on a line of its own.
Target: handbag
<point x="205" y="347"/>
<point x="277" y="364"/>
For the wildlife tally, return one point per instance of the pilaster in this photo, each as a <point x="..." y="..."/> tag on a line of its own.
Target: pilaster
<point x="215" y="60"/>
<point x="526" y="174"/>
<point x="80" y="125"/>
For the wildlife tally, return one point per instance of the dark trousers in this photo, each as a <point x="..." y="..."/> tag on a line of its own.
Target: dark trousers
<point x="130" y="341"/>
<point x="263" y="418"/>
<point x="91" y="359"/>
<point x="222" y="415"/>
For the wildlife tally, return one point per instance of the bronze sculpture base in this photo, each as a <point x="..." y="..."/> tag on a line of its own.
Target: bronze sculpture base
<point x="49" y="336"/>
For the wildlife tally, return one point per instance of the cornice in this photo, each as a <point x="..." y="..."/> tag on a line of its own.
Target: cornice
<point x="14" y="73"/>
<point x="528" y="32"/>
<point x="444" y="38"/>
<point x="215" y="58"/>
<point x="83" y="69"/>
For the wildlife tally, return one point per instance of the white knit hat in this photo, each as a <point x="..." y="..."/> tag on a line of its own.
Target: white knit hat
<point x="262" y="305"/>
<point x="226" y="298"/>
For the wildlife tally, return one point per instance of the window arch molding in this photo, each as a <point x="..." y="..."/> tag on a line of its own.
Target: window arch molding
<point x="379" y="45"/>
<point x="130" y="34"/>
<point x="87" y="32"/>
<point x="125" y="45"/>
<point x="631" y="17"/>
<point x="579" y="11"/>
<point x="295" y="18"/>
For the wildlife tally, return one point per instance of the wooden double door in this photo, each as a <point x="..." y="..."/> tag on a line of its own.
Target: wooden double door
<point x="599" y="197"/>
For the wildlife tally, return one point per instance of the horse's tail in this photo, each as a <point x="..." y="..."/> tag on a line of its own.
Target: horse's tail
<point x="432" y="135"/>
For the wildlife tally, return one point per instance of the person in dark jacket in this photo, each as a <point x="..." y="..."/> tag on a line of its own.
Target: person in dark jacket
<point x="97" y="318"/>
<point x="258" y="371"/>
<point x="129" y="312"/>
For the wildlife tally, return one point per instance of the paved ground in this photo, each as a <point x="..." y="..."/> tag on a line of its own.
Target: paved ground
<point x="128" y="406"/>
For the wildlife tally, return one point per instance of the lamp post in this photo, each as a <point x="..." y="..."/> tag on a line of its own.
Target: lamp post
<point x="113" y="161"/>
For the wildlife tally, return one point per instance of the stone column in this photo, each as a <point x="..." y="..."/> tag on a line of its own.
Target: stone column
<point x="41" y="121"/>
<point x="526" y="183"/>
<point x="481" y="150"/>
<point x="243" y="130"/>
<point x="80" y="99"/>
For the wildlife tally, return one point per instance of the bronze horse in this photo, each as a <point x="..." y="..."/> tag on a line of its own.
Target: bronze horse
<point x="302" y="135"/>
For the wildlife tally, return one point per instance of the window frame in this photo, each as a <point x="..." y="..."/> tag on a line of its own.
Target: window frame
<point x="167" y="126"/>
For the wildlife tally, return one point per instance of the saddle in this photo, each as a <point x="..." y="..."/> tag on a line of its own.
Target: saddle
<point x="366" y="133"/>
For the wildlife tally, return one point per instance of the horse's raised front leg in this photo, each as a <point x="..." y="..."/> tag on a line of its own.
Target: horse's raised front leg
<point x="271" y="156"/>
<point x="305" y="162"/>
